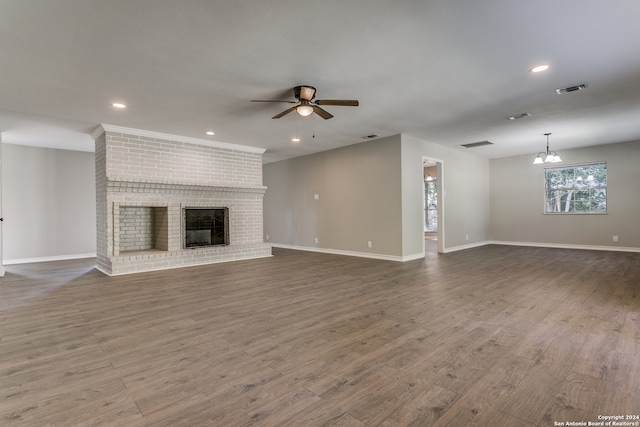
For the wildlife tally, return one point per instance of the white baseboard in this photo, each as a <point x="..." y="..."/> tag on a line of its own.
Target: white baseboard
<point x="463" y="247"/>
<point x="419" y="255"/>
<point x="566" y="246"/>
<point x="457" y="248"/>
<point x="47" y="259"/>
<point x="370" y="255"/>
<point x="351" y="253"/>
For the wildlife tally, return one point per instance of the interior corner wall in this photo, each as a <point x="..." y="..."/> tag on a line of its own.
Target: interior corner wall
<point x="48" y="203"/>
<point x="412" y="199"/>
<point x="1" y="256"/>
<point x="465" y="187"/>
<point x="359" y="199"/>
<point x="517" y="201"/>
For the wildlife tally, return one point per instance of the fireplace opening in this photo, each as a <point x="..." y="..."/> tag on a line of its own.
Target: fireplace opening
<point x="206" y="227"/>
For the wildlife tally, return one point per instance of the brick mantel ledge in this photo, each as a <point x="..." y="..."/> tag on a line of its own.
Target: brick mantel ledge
<point x="150" y="184"/>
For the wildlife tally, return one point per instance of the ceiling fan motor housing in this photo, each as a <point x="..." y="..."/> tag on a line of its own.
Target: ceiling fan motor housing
<point x="304" y="92"/>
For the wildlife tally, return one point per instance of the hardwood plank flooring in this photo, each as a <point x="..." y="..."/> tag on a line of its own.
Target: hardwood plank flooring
<point x="491" y="336"/>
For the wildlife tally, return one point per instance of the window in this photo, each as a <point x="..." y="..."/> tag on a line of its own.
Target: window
<point x="577" y="189"/>
<point x="431" y="208"/>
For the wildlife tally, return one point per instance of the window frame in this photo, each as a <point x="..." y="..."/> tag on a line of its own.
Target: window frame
<point x="576" y="166"/>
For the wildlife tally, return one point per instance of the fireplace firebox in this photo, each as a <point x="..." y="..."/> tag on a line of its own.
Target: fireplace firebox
<point x="206" y="227"/>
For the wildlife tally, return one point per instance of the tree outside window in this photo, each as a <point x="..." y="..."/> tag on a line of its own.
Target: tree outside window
<point x="578" y="189"/>
<point x="431" y="208"/>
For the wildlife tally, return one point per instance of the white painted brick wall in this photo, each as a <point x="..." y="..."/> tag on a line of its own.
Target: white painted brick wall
<point x="160" y="177"/>
<point x="137" y="228"/>
<point x="134" y="158"/>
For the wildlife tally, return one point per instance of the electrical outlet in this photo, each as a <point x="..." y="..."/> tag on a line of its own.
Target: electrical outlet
<point x="615" y="238"/>
<point x="466" y="237"/>
<point x="267" y="237"/>
<point x="369" y="244"/>
<point x="316" y="196"/>
<point x="316" y="240"/>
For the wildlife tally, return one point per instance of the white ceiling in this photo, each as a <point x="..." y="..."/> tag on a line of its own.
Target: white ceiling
<point x="448" y="72"/>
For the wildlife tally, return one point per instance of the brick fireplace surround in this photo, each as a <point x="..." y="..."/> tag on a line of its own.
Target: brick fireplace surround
<point x="145" y="180"/>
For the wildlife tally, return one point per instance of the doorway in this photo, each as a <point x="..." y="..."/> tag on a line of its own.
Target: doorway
<point x="432" y="203"/>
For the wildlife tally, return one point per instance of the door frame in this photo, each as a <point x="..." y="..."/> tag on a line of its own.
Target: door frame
<point x="441" y="196"/>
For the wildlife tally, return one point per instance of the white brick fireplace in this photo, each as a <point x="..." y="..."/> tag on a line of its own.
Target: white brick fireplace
<point x="145" y="181"/>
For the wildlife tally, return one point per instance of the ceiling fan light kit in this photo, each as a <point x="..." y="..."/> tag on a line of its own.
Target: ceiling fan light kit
<point x="304" y="109"/>
<point x="307" y="106"/>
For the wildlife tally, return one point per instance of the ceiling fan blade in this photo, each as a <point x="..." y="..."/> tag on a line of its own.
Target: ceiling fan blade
<point x="342" y="102"/>
<point x="322" y="113"/>
<point x="284" y="113"/>
<point x="268" y="100"/>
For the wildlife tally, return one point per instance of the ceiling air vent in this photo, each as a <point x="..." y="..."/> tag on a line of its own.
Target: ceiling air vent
<point x="571" y="89"/>
<point x="519" y="116"/>
<point x="476" y="144"/>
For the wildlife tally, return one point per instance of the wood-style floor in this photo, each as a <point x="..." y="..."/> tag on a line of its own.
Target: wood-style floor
<point x="492" y="336"/>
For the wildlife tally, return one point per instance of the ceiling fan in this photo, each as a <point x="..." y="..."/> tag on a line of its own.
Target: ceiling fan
<point x="306" y="105"/>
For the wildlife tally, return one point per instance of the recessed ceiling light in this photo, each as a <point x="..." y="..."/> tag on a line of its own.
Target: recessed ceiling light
<point x="539" y="68"/>
<point x="295" y="139"/>
<point x="210" y="132"/>
<point x="118" y="105"/>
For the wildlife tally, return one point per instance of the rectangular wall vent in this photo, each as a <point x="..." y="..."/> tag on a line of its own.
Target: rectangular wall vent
<point x="476" y="144"/>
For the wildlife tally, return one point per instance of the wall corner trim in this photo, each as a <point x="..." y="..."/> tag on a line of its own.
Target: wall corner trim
<point x="463" y="247"/>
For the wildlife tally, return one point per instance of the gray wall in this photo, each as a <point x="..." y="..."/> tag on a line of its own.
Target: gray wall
<point x="48" y="203"/>
<point x="464" y="184"/>
<point x="374" y="191"/>
<point x="359" y="199"/>
<point x="1" y="210"/>
<point x="517" y="197"/>
<point x="368" y="191"/>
